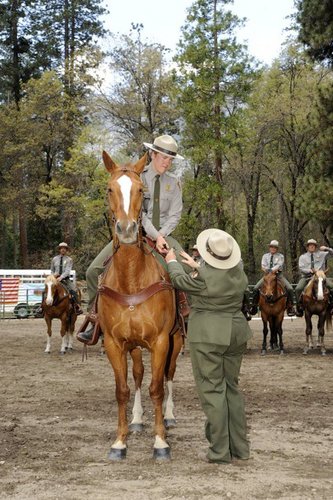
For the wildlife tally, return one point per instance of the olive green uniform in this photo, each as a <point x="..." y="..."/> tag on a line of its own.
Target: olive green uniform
<point x="217" y="334"/>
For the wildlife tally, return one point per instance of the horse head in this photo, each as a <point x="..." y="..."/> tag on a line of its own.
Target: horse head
<point x="269" y="285"/>
<point x="51" y="285"/>
<point x="316" y="285"/>
<point x="125" y="195"/>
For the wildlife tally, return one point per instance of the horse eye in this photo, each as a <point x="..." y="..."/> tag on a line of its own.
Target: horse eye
<point x="109" y="190"/>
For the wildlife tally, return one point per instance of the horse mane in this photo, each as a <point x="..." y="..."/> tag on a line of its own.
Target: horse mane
<point x="51" y="278"/>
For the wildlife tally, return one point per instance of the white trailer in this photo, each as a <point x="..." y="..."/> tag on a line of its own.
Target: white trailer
<point x="21" y="291"/>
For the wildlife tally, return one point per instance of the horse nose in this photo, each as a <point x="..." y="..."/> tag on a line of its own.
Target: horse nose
<point x="269" y="297"/>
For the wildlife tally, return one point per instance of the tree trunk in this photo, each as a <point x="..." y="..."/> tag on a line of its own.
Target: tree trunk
<point x="16" y="89"/>
<point x="23" y="237"/>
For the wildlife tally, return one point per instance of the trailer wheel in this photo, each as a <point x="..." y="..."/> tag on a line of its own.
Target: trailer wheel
<point x="22" y="310"/>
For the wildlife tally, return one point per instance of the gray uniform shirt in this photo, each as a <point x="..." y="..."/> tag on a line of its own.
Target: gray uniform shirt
<point x="319" y="258"/>
<point x="67" y="264"/>
<point x="171" y="203"/>
<point x="278" y="261"/>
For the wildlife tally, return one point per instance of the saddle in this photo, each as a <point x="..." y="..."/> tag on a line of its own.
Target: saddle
<point x="182" y="305"/>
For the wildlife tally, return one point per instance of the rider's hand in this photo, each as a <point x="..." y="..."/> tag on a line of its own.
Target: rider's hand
<point x="187" y="259"/>
<point x="161" y="244"/>
<point x="170" y="255"/>
<point x="323" y="249"/>
<point x="58" y="278"/>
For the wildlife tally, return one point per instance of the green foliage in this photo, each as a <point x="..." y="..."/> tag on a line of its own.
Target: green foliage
<point x="315" y="18"/>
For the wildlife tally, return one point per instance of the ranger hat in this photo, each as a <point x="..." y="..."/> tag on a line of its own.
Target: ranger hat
<point x="311" y="242"/>
<point x="62" y="244"/>
<point x="166" y="145"/>
<point x="218" y="248"/>
<point x="274" y="243"/>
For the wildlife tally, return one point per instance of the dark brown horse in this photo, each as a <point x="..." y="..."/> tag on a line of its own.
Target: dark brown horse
<point x="136" y="308"/>
<point x="272" y="304"/>
<point x="57" y="304"/>
<point x="315" y="300"/>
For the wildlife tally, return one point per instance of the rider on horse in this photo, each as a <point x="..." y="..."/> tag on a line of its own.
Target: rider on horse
<point x="271" y="262"/>
<point x="162" y="209"/>
<point x="313" y="260"/>
<point x="61" y="266"/>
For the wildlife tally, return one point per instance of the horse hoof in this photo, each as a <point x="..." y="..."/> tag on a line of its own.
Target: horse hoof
<point x="47" y="352"/>
<point x="162" y="453"/>
<point x="169" y="422"/>
<point x="323" y="353"/>
<point x="117" y="454"/>
<point x="62" y="353"/>
<point x="305" y="351"/>
<point x="136" y="427"/>
<point x="281" y="353"/>
<point x="263" y="352"/>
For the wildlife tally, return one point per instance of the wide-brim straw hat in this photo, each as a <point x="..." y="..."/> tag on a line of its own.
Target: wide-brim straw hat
<point x="63" y="244"/>
<point x="274" y="243"/>
<point x="311" y="242"/>
<point x="218" y="248"/>
<point x="166" y="145"/>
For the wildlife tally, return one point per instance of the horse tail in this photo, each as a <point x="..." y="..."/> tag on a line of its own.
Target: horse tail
<point x="328" y="319"/>
<point x="169" y="355"/>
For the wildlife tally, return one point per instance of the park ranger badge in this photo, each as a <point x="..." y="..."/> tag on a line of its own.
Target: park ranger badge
<point x="168" y="187"/>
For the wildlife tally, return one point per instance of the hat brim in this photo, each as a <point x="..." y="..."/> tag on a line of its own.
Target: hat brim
<point x="228" y="263"/>
<point x="152" y="147"/>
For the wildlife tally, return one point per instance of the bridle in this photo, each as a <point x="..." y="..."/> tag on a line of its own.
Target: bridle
<point x="276" y="299"/>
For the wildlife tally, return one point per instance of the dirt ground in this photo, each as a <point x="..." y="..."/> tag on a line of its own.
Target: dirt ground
<point x="58" y="419"/>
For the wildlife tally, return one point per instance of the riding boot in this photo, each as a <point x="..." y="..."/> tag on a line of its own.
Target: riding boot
<point x="290" y="304"/>
<point x="77" y="308"/>
<point x="87" y="335"/>
<point x="299" y="310"/>
<point x="255" y="301"/>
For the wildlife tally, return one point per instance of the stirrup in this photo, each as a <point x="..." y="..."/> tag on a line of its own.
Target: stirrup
<point x="96" y="333"/>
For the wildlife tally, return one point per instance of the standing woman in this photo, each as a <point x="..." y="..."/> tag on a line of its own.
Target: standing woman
<point x="217" y="333"/>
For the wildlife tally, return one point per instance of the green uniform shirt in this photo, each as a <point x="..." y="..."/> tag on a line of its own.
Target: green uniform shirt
<point x="216" y="302"/>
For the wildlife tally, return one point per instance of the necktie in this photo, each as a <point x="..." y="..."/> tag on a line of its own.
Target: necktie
<point x="156" y="203"/>
<point x="312" y="261"/>
<point x="271" y="262"/>
<point x="60" y="266"/>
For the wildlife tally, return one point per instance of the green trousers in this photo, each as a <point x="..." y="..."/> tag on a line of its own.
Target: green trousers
<point x="216" y="371"/>
<point x="96" y="267"/>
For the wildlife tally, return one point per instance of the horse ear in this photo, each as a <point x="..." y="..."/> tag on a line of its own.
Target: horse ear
<point x="140" y="164"/>
<point x="110" y="165"/>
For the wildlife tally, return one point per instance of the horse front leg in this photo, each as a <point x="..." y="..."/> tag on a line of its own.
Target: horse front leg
<point x="138" y="370"/>
<point x="175" y="346"/>
<point x="280" y="332"/>
<point x="70" y="332"/>
<point x="118" y="360"/>
<point x="264" y="340"/>
<point x="49" y="333"/>
<point x="156" y="391"/>
<point x="321" y="333"/>
<point x="308" y="332"/>
<point x="63" y="333"/>
<point x="274" y="332"/>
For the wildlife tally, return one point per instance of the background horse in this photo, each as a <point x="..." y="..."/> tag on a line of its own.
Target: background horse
<point x="315" y="300"/>
<point x="272" y="304"/>
<point x="136" y="308"/>
<point x="57" y="304"/>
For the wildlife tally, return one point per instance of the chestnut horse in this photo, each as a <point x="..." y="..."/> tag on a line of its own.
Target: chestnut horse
<point x="272" y="304"/>
<point x="57" y="304"/>
<point x="315" y="300"/>
<point x="136" y="309"/>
